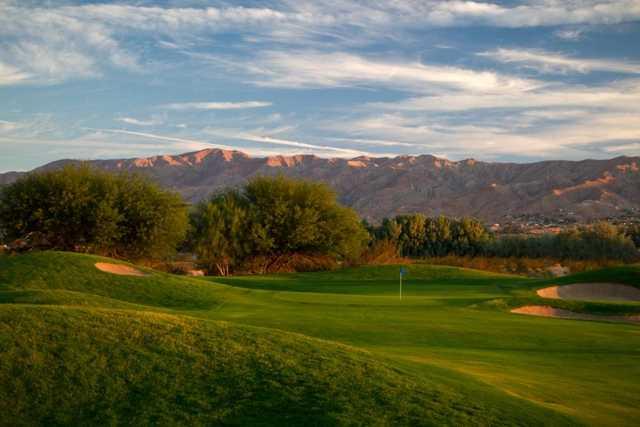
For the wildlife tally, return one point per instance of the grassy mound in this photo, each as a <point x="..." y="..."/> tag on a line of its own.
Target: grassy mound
<point x="82" y="347"/>
<point x="70" y="366"/>
<point x="44" y="272"/>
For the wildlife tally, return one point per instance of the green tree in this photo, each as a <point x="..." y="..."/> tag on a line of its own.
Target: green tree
<point x="275" y="217"/>
<point x="633" y="232"/>
<point x="469" y="237"/>
<point x="221" y="232"/>
<point x="438" y="236"/>
<point x="82" y="209"/>
<point x="412" y="234"/>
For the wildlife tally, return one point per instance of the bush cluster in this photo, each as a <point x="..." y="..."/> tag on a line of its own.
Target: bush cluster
<point x="83" y="209"/>
<point x="271" y="219"/>
<point x="599" y="241"/>
<point x="420" y="236"/>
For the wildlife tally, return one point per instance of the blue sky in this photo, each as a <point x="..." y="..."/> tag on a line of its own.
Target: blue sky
<point x="497" y="81"/>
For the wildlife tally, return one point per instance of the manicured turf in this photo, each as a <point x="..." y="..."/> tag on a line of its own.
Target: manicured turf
<point x="448" y="353"/>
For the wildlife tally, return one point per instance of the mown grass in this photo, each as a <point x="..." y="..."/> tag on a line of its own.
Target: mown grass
<point x="69" y="366"/>
<point x="450" y="343"/>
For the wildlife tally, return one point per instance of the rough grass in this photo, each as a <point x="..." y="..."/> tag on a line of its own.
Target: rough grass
<point x="449" y="353"/>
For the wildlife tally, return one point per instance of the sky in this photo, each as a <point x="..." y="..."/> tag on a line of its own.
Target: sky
<point x="505" y="81"/>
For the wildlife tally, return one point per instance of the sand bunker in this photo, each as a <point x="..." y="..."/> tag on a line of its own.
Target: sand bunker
<point x="592" y="291"/>
<point x="546" y="311"/>
<point x="120" y="269"/>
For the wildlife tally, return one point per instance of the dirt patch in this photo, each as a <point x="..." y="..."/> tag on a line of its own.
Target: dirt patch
<point x="119" y="269"/>
<point x="591" y="292"/>
<point x="546" y="311"/>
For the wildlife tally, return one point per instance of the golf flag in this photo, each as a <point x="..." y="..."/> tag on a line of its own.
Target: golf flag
<point x="403" y="272"/>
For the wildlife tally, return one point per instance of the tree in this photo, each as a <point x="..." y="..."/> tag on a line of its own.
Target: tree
<point x="275" y="218"/>
<point x="412" y="234"/>
<point x="469" y="237"/>
<point x="633" y="232"/>
<point x="221" y="232"/>
<point x="79" y="208"/>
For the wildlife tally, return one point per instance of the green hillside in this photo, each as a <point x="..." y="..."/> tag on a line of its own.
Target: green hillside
<point x="81" y="346"/>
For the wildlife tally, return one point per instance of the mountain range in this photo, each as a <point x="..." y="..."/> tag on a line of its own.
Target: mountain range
<point x="383" y="187"/>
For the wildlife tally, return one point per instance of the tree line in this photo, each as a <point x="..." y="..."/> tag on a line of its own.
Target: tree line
<point x="269" y="222"/>
<point x="420" y="236"/>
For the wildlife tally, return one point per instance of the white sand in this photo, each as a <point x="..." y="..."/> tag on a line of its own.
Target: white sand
<point x="591" y="292"/>
<point x="119" y="269"/>
<point x="546" y="311"/>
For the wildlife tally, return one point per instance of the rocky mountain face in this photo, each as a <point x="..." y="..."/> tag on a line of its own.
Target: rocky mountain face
<point x="381" y="187"/>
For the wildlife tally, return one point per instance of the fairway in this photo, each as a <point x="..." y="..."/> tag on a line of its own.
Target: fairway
<point x="449" y="352"/>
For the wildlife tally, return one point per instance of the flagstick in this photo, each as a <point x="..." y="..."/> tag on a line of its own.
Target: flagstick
<point x="400" y="286"/>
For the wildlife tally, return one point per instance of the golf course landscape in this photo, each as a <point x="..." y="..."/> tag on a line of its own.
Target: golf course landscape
<point x="82" y="346"/>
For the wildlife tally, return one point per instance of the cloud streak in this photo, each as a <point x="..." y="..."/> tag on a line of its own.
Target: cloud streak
<point x="550" y="62"/>
<point x="317" y="70"/>
<point x="138" y="122"/>
<point x="266" y="139"/>
<point x="190" y="106"/>
<point x="10" y="75"/>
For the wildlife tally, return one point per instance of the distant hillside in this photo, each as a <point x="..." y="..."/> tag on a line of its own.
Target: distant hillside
<point x="379" y="187"/>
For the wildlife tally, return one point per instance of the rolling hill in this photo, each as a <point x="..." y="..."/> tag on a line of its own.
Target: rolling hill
<point x="379" y="187"/>
<point x="83" y="346"/>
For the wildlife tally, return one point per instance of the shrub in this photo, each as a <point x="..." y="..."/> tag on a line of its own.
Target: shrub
<point x="382" y="252"/>
<point x="83" y="209"/>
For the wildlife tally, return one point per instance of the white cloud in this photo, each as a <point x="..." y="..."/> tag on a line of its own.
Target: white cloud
<point x="460" y="13"/>
<point x="569" y="34"/>
<point x="51" y="46"/>
<point x="10" y="75"/>
<point x="242" y="135"/>
<point x="138" y="122"/>
<point x="162" y="137"/>
<point x="622" y="95"/>
<point x="556" y="122"/>
<point x="317" y="69"/>
<point x="625" y="148"/>
<point x="182" y="143"/>
<point x="576" y="138"/>
<point x="550" y="62"/>
<point x="216" y="105"/>
<point x="6" y="126"/>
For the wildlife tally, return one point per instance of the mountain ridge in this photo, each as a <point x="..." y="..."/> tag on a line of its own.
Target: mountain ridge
<point x="378" y="187"/>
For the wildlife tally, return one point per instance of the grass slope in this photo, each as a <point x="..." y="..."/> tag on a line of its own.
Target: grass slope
<point x="448" y="353"/>
<point x="78" y="366"/>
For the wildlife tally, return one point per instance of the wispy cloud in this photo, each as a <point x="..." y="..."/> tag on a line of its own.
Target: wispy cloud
<point x="192" y="143"/>
<point x="621" y="95"/>
<point x="551" y="62"/>
<point x="186" y="106"/>
<point x="51" y="45"/>
<point x="76" y="41"/>
<point x="317" y="69"/>
<point x="6" y="126"/>
<point x="266" y="139"/>
<point x="10" y="75"/>
<point x="572" y="35"/>
<point x="138" y="122"/>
